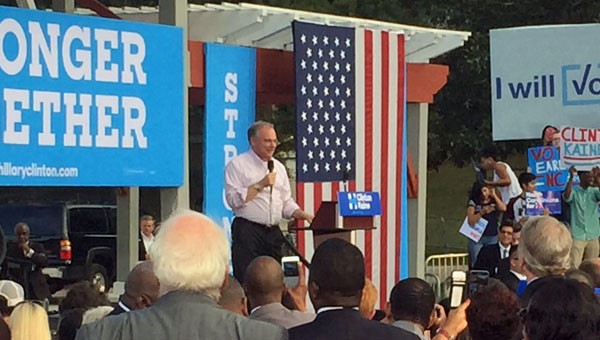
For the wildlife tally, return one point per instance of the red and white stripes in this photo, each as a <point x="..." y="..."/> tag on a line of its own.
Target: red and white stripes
<point x="379" y="85"/>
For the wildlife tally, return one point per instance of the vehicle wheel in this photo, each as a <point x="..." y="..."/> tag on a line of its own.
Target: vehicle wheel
<point x="99" y="278"/>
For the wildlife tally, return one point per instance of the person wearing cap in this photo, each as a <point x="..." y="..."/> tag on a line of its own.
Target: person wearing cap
<point x="24" y="262"/>
<point x="11" y="294"/>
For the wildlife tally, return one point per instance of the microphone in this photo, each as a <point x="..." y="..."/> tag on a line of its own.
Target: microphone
<point x="270" y="166"/>
<point x="345" y="178"/>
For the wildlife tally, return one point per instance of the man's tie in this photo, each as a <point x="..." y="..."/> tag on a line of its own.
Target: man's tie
<point x="504" y="253"/>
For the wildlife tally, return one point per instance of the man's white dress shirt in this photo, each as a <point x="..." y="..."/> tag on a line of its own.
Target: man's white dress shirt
<point x="247" y="169"/>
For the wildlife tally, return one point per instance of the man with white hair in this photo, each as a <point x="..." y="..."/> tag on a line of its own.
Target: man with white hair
<point x="545" y="248"/>
<point x="190" y="256"/>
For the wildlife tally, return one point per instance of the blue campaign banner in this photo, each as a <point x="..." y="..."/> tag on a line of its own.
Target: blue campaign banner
<point x="536" y="202"/>
<point x="229" y="111"/>
<point x="359" y="203"/>
<point x="544" y="162"/>
<point x="88" y="101"/>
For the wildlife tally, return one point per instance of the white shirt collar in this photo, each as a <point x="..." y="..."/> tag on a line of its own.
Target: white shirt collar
<point x="328" y="308"/>
<point x="520" y="276"/>
<point x="503" y="248"/>
<point x="254" y="309"/>
<point x="255" y="156"/>
<point x="124" y="307"/>
<point x="146" y="238"/>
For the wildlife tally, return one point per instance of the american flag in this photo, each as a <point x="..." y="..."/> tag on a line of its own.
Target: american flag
<point x="350" y="89"/>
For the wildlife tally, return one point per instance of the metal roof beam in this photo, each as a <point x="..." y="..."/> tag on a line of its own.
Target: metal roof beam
<point x="215" y="25"/>
<point x="258" y="30"/>
<point x="280" y="39"/>
<point x="444" y="45"/>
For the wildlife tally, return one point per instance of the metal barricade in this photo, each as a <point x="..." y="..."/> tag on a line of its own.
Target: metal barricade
<point x="439" y="268"/>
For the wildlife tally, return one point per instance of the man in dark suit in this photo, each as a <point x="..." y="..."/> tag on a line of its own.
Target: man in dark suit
<point x="147" y="225"/>
<point x="336" y="280"/>
<point x="141" y="289"/>
<point x="190" y="257"/>
<point x="24" y="262"/>
<point x="489" y="257"/>
<point x="545" y="247"/>
<point x="513" y="277"/>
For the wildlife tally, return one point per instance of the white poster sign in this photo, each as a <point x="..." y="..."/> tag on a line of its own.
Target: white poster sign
<point x="475" y="231"/>
<point x="544" y="75"/>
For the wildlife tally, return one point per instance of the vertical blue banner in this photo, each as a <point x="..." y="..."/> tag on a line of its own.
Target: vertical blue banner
<point x="229" y="111"/>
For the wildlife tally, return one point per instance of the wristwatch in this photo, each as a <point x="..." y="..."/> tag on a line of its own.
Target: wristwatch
<point x="257" y="187"/>
<point x="445" y="333"/>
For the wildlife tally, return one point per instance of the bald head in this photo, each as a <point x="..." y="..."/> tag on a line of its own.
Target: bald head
<point x="190" y="253"/>
<point x="142" y="286"/>
<point x="263" y="281"/>
<point x="21" y="233"/>
<point x="233" y="297"/>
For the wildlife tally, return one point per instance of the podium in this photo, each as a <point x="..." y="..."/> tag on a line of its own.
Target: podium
<point x="338" y="219"/>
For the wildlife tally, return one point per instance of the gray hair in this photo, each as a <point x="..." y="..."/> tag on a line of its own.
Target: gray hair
<point x="190" y="253"/>
<point x="545" y="245"/>
<point x="256" y="126"/>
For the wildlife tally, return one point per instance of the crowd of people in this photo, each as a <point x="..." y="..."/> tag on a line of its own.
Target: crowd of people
<point x="186" y="292"/>
<point x="543" y="272"/>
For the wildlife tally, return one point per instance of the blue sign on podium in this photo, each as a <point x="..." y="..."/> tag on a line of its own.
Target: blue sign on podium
<point x="359" y="203"/>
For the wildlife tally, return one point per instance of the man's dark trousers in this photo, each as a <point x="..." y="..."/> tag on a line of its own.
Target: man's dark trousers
<point x="251" y="240"/>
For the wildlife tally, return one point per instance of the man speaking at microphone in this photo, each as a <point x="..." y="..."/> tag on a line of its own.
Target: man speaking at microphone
<point x="258" y="190"/>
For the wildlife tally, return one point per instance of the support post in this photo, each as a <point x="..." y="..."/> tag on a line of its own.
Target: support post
<point x="127" y="231"/>
<point x="417" y="116"/>
<point x="66" y="6"/>
<point x="174" y="12"/>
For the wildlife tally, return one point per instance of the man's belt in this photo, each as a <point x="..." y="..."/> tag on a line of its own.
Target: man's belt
<point x="257" y="224"/>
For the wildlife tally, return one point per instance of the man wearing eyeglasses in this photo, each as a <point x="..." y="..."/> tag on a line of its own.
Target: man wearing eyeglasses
<point x="258" y="191"/>
<point x="490" y="256"/>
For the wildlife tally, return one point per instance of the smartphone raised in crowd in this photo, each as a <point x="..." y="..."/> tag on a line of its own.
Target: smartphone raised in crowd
<point x="465" y="283"/>
<point x="476" y="279"/>
<point x="289" y="264"/>
<point x="457" y="289"/>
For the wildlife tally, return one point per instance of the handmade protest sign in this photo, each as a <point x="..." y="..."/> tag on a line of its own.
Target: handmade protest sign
<point x="580" y="147"/>
<point x="544" y="163"/>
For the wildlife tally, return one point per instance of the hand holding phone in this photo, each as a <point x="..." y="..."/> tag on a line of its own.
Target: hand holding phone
<point x="289" y="264"/>
<point x="457" y="290"/>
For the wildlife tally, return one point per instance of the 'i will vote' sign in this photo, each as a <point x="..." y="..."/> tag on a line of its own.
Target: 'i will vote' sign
<point x="89" y="101"/>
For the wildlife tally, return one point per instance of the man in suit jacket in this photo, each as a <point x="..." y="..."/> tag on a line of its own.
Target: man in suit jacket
<point x="337" y="277"/>
<point x="24" y="262"/>
<point x="489" y="257"/>
<point x="141" y="289"/>
<point x="264" y="286"/>
<point x="147" y="225"/>
<point x="190" y="257"/>
<point x="545" y="247"/>
<point x="514" y="275"/>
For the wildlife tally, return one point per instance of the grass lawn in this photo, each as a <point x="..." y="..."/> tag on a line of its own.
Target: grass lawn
<point x="447" y="205"/>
